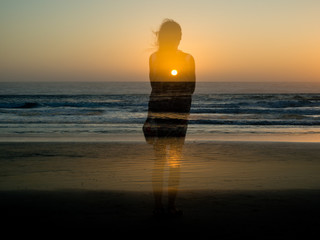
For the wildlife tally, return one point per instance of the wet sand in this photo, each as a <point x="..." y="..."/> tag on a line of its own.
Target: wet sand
<point x="228" y="189"/>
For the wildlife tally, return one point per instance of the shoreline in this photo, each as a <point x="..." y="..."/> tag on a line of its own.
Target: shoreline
<point x="107" y="138"/>
<point x="128" y="165"/>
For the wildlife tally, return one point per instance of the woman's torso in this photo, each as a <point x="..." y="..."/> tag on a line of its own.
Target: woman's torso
<point x="171" y="93"/>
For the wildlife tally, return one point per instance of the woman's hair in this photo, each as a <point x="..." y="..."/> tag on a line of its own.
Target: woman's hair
<point x="169" y="34"/>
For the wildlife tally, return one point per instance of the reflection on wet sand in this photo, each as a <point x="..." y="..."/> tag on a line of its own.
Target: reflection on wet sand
<point x="173" y="158"/>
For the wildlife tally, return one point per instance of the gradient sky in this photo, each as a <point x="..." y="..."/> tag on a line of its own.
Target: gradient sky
<point x="231" y="40"/>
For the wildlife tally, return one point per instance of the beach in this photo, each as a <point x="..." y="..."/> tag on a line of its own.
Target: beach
<point x="227" y="188"/>
<point x="73" y="157"/>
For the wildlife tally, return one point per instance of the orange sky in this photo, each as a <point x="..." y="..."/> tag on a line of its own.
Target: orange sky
<point x="234" y="40"/>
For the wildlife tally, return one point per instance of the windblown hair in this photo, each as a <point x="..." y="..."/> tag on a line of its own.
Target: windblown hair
<point x="169" y="33"/>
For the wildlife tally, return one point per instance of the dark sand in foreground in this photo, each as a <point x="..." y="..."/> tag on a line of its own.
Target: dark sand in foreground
<point x="256" y="214"/>
<point x="219" y="210"/>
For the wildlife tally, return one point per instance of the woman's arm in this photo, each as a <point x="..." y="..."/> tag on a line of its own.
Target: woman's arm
<point x="152" y="70"/>
<point x="152" y="67"/>
<point x="192" y="74"/>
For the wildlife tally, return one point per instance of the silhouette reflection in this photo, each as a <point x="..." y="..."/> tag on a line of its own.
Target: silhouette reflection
<point x="172" y="78"/>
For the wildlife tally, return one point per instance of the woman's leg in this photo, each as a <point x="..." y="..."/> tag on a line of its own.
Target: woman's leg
<point x="158" y="171"/>
<point x="174" y="160"/>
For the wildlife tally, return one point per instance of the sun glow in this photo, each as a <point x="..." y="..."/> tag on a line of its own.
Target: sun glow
<point x="174" y="72"/>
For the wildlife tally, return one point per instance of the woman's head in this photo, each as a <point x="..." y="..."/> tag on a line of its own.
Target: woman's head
<point x="169" y="35"/>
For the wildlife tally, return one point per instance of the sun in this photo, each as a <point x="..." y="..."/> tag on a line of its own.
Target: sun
<point x="174" y="72"/>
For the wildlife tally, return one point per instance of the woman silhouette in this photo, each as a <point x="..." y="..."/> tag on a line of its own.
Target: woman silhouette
<point x="172" y="78"/>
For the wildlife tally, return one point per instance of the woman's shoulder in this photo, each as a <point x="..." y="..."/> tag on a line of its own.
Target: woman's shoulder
<point x="186" y="56"/>
<point x="153" y="57"/>
<point x="183" y="55"/>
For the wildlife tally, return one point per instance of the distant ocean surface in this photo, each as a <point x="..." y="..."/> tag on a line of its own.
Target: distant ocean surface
<point x="120" y="108"/>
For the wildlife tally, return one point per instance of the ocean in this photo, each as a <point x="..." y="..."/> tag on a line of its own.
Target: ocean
<point x="102" y="110"/>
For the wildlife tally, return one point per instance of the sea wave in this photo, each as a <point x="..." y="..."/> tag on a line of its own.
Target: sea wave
<point x="257" y="122"/>
<point x="206" y="109"/>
